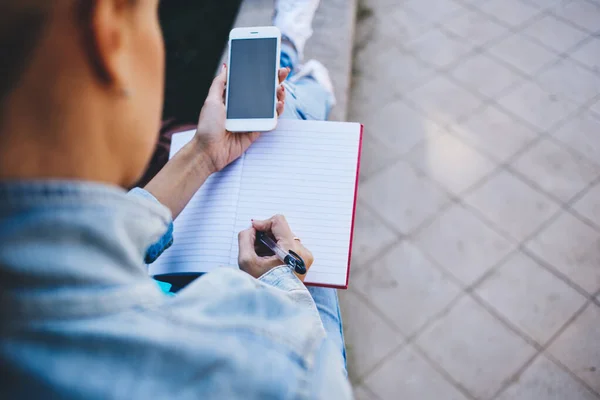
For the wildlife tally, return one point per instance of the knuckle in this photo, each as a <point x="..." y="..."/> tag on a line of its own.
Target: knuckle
<point x="244" y="261"/>
<point x="309" y="256"/>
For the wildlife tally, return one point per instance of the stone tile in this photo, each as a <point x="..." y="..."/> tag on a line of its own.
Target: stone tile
<point x="463" y="244"/>
<point x="473" y="2"/>
<point x="405" y="25"/>
<point x="408" y="376"/>
<point x="400" y="127"/>
<point x="494" y="132"/>
<point x="530" y="297"/>
<point x="475" y="73"/>
<point x="511" y="205"/>
<point x="581" y="134"/>
<point x="560" y="172"/>
<point x="368" y="337"/>
<point x="511" y="12"/>
<point x="578" y="347"/>
<point x="391" y="70"/>
<point x="536" y="106"/>
<point x="438" y="49"/>
<point x="546" y="380"/>
<point x="370" y="236"/>
<point x="589" y="205"/>
<point x="371" y="73"/>
<point x="596" y="108"/>
<point x="403" y="197"/>
<point x="450" y="162"/>
<point x="475" y="348"/>
<point x="434" y="10"/>
<point x="443" y="100"/>
<point x="524" y="54"/>
<point x="569" y="79"/>
<point x="571" y="247"/>
<point x="354" y="268"/>
<point x="585" y="14"/>
<point x="589" y="54"/>
<point x="362" y="392"/>
<point x="402" y="278"/>
<point x="402" y="73"/>
<point x="475" y="27"/>
<point x="542" y="4"/>
<point x="554" y="33"/>
<point x="374" y="157"/>
<point x="363" y="102"/>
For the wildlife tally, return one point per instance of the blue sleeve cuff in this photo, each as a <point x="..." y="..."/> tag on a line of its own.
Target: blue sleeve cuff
<point x="159" y="247"/>
<point x="283" y="278"/>
<point x="155" y="250"/>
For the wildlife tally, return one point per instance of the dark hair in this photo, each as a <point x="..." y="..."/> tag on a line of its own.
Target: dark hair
<point x="21" y="24"/>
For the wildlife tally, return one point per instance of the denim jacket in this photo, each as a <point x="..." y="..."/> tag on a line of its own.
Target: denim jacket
<point x="81" y="319"/>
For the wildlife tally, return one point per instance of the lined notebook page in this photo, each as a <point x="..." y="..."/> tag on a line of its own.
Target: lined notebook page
<point x="202" y="232"/>
<point x="305" y="170"/>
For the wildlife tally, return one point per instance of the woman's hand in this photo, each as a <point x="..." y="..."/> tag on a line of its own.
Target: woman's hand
<point x="277" y="227"/>
<point x="220" y="146"/>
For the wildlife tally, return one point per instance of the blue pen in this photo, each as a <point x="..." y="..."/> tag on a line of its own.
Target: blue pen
<point x="291" y="259"/>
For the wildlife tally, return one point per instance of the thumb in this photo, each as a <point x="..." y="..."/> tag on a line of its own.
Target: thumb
<point x="218" y="85"/>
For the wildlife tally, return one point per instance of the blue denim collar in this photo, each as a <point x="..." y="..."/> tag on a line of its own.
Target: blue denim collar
<point x="61" y="240"/>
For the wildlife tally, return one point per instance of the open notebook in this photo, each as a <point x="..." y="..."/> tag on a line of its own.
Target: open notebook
<point x="305" y="170"/>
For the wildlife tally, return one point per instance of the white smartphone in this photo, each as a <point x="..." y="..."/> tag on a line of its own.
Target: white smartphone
<point x="251" y="96"/>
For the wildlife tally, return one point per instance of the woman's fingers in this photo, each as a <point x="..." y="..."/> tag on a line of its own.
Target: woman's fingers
<point x="248" y="260"/>
<point x="280" y="99"/>
<point x="283" y="74"/>
<point x="247" y="253"/>
<point x="277" y="225"/>
<point x="279" y="228"/>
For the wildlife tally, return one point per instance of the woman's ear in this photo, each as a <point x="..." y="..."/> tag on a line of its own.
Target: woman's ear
<point x="105" y="27"/>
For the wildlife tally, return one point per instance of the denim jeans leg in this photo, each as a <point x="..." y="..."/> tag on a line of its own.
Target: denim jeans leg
<point x="305" y="99"/>
<point x="329" y="309"/>
<point x="289" y="58"/>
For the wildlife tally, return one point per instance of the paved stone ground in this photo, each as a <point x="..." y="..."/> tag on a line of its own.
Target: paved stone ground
<point x="476" y="270"/>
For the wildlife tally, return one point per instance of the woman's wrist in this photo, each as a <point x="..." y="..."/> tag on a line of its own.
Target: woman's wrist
<point x="201" y="154"/>
<point x="200" y="158"/>
<point x="181" y="177"/>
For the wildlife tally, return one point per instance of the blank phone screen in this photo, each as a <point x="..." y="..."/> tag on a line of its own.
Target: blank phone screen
<point x="252" y="78"/>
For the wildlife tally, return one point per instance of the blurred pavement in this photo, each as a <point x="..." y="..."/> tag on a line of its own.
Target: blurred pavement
<point x="476" y="266"/>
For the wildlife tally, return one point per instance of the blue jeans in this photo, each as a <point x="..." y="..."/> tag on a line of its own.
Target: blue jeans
<point x="308" y="100"/>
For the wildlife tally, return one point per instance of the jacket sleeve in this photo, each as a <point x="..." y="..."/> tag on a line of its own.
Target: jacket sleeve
<point x="156" y="249"/>
<point x="284" y="279"/>
<point x="328" y="377"/>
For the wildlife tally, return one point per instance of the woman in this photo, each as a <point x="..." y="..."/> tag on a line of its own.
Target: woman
<point x="81" y="93"/>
